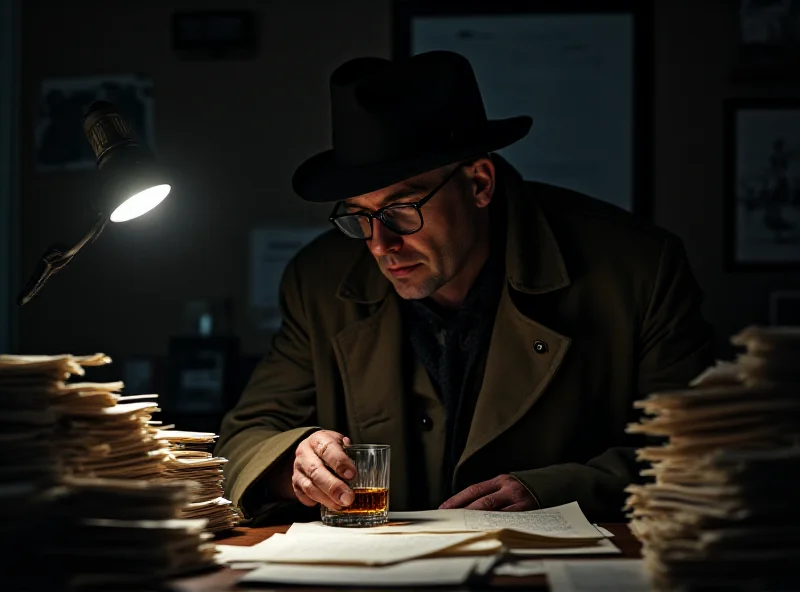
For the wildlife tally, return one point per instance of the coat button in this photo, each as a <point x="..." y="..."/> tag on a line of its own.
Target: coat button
<point x="540" y="347"/>
<point x="426" y="423"/>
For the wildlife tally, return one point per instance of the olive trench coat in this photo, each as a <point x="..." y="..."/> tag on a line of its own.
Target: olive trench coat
<point x="599" y="309"/>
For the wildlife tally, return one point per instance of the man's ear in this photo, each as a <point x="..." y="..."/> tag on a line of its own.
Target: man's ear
<point x="482" y="177"/>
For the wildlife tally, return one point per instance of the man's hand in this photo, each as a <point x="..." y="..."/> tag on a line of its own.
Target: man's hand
<point x="501" y="493"/>
<point x="313" y="481"/>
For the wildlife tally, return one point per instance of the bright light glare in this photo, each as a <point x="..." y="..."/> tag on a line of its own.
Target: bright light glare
<point x="141" y="203"/>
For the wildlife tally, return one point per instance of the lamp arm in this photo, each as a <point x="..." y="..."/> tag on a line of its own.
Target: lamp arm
<point x="56" y="258"/>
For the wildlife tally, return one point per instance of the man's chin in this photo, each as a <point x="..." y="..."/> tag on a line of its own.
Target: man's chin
<point x="417" y="290"/>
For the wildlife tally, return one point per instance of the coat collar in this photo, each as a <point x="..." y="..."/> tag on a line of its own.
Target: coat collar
<point x="534" y="264"/>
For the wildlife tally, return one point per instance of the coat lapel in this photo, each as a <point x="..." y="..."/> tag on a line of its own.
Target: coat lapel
<point x="516" y="374"/>
<point x="369" y="355"/>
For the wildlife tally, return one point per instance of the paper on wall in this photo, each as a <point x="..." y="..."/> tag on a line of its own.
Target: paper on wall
<point x="271" y="249"/>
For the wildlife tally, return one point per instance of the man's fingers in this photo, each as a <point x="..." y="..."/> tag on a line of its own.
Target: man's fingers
<point x="471" y="494"/>
<point x="493" y="501"/>
<point x="302" y="497"/>
<point x="305" y="488"/>
<point x="328" y="447"/>
<point x="334" y="489"/>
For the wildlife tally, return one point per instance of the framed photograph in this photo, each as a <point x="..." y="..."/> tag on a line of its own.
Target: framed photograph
<point x="581" y="69"/>
<point x="769" y="39"/>
<point x="763" y="183"/>
<point x="60" y="143"/>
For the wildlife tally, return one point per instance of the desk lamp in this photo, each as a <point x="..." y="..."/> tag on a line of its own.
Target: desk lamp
<point x="133" y="185"/>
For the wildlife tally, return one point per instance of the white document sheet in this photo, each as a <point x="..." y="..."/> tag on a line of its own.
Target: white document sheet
<point x="607" y="575"/>
<point x="603" y="547"/>
<point x="451" y="571"/>
<point x="529" y="567"/>
<point x="605" y="532"/>
<point x="360" y="550"/>
<point x="565" y="521"/>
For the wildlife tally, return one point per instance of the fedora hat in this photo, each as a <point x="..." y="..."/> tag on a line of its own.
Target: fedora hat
<point x="392" y="120"/>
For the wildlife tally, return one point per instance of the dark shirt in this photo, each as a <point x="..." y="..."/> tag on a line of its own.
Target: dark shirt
<point x="452" y="346"/>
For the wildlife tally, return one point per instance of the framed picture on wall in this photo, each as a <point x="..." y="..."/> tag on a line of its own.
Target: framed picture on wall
<point x="769" y="39"/>
<point x="581" y="69"/>
<point x="763" y="183"/>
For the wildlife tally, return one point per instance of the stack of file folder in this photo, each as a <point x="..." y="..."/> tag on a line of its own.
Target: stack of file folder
<point x="722" y="509"/>
<point x="190" y="457"/>
<point x="79" y="506"/>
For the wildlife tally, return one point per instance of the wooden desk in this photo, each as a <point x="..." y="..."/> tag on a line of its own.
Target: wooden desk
<point x="225" y="578"/>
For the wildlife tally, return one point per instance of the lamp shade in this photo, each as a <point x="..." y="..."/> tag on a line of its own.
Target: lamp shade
<point x="133" y="182"/>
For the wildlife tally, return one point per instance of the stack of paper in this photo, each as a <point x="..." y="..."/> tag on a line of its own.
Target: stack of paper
<point x="722" y="509"/>
<point x="190" y="458"/>
<point x="86" y="531"/>
<point x="29" y="460"/>
<point x="100" y="432"/>
<point x="28" y="387"/>
<point x="110" y="534"/>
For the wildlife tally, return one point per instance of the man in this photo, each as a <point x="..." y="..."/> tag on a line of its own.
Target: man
<point x="494" y="332"/>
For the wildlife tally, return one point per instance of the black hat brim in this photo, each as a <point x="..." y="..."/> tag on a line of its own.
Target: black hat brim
<point x="322" y="179"/>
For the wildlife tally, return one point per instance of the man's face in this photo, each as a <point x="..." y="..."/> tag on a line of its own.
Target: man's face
<point x="420" y="264"/>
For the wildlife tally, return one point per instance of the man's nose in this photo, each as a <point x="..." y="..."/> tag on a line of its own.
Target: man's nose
<point x="383" y="240"/>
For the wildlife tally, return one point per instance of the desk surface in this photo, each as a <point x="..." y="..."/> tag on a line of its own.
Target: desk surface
<point x="225" y="579"/>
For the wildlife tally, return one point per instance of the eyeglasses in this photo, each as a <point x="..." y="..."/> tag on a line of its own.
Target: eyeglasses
<point x="401" y="218"/>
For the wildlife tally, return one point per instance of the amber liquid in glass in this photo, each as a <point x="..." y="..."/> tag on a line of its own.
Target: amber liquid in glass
<point x="368" y="500"/>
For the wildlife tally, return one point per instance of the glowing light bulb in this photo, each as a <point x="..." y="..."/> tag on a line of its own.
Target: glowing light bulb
<point x="141" y="203"/>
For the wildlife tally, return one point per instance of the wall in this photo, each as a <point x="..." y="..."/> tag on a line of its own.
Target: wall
<point x="695" y="61"/>
<point x="234" y="131"/>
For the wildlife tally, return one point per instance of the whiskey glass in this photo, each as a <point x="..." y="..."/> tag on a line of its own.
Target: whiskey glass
<point x="370" y="487"/>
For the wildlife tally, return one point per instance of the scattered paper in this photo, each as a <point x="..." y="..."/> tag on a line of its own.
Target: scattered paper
<point x="560" y="522"/>
<point x="606" y="533"/>
<point x="565" y="521"/>
<point x="601" y="547"/>
<point x="229" y="554"/>
<point x="424" y="572"/>
<point x="529" y="567"/>
<point x="362" y="550"/>
<point x="608" y="575"/>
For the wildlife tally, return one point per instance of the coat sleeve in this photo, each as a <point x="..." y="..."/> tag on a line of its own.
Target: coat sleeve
<point x="276" y="410"/>
<point x="675" y="346"/>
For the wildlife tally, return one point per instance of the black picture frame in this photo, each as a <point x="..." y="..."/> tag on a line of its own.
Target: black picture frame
<point x="641" y="11"/>
<point x="762" y="138"/>
<point x="768" y="40"/>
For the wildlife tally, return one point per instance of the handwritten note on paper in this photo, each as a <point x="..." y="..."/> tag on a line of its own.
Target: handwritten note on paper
<point x="561" y="521"/>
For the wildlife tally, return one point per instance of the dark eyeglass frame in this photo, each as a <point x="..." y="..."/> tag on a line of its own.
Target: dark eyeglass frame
<point x="379" y="214"/>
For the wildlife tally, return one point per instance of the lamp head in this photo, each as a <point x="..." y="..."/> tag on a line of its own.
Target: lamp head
<point x="134" y="183"/>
